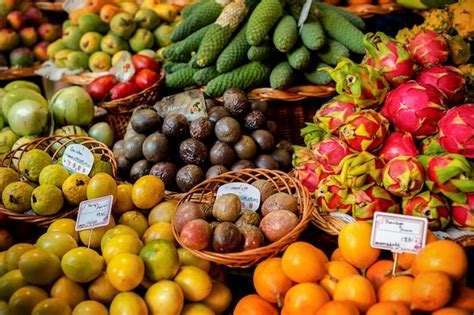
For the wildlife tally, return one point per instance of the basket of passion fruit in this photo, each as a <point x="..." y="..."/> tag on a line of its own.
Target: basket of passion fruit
<point x="39" y="185"/>
<point x="241" y="217"/>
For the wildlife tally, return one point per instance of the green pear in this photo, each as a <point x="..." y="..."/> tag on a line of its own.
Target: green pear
<point x="91" y="22"/>
<point x="54" y="47"/>
<point x="90" y="42"/>
<point x="112" y="43"/>
<point x="60" y="57"/>
<point x="142" y="39"/>
<point x="163" y="35"/>
<point x="66" y="24"/>
<point x="146" y="18"/>
<point x="77" y="60"/>
<point x="71" y="37"/>
<point x="122" y="24"/>
<point x="100" y="61"/>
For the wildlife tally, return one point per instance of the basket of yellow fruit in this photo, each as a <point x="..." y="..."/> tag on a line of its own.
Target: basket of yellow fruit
<point x="39" y="185"/>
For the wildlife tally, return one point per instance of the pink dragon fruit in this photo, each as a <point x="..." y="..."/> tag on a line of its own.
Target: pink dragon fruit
<point x="359" y="84"/>
<point x="397" y="144"/>
<point x="365" y="130"/>
<point x="312" y="134"/>
<point x="428" y="48"/>
<point x="361" y="170"/>
<point x="447" y="79"/>
<point x="329" y="154"/>
<point x="449" y="174"/>
<point x="389" y="57"/>
<point x="463" y="213"/>
<point x="415" y="108"/>
<point x="430" y="206"/>
<point x="332" y="196"/>
<point x="403" y="176"/>
<point x="307" y="169"/>
<point x="456" y="130"/>
<point x="373" y="199"/>
<point x="333" y="114"/>
<point x="430" y="146"/>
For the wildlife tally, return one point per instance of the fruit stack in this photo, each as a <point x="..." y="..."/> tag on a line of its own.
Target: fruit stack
<point x="234" y="135"/>
<point x="224" y="44"/>
<point x="24" y="37"/>
<point x="414" y="155"/>
<point x="356" y="280"/>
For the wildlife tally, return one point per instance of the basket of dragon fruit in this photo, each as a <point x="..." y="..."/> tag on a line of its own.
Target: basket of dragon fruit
<point x="399" y="137"/>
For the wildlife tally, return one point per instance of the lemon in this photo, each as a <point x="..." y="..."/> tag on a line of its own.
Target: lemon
<point x="136" y="220"/>
<point x="147" y="192"/>
<point x="90" y="308"/>
<point x="128" y="303"/>
<point x="39" y="266"/>
<point x="14" y="253"/>
<point x="116" y="230"/>
<point x="125" y="243"/>
<point x="124" y="199"/>
<point x="195" y="283"/>
<point x="58" y="243"/>
<point x="24" y="300"/>
<point x="82" y="264"/>
<point x="65" y="225"/>
<point x="10" y="283"/>
<point x="101" y="185"/>
<point x="165" y="297"/>
<point x="52" y="306"/>
<point x="188" y="259"/>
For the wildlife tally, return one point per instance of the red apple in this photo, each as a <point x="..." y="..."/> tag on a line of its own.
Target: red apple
<point x="40" y="51"/>
<point x="123" y="89"/>
<point x="15" y="19"/>
<point x="100" y="87"/>
<point x="32" y="16"/>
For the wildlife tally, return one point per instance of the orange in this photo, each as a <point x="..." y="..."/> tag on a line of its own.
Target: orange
<point x="254" y="305"/>
<point x="270" y="281"/>
<point x="125" y="271"/>
<point x="305" y="298"/>
<point x="444" y="255"/>
<point x="302" y="262"/>
<point x="335" y="272"/>
<point x="356" y="289"/>
<point x="107" y="12"/>
<point x="465" y="299"/>
<point x="338" y="308"/>
<point x="451" y="311"/>
<point x="354" y="242"/>
<point x="405" y="260"/>
<point x="431" y="290"/>
<point x="147" y="192"/>
<point x="398" y="289"/>
<point x="336" y="255"/>
<point x="387" y="308"/>
<point x="124" y="199"/>
<point x="380" y="272"/>
<point x="69" y="291"/>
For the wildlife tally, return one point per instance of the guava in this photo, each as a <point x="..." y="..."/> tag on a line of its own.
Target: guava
<point x="28" y="117"/>
<point x="17" y="197"/>
<point x="47" y="200"/>
<point x="33" y="162"/>
<point x="101" y="165"/>
<point x="53" y="175"/>
<point x="8" y="137"/>
<point x="75" y="188"/>
<point x="21" y="141"/>
<point x="7" y="176"/>
<point x="72" y="106"/>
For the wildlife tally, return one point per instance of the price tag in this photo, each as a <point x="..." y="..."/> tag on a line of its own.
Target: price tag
<point x="398" y="233"/>
<point x="248" y="194"/>
<point x="124" y="69"/>
<point x="78" y="159"/>
<point x="190" y="103"/>
<point x="94" y="213"/>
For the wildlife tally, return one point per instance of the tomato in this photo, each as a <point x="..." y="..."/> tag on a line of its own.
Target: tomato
<point x="141" y="62"/>
<point x="100" y="87"/>
<point x="146" y="78"/>
<point x="123" y="89"/>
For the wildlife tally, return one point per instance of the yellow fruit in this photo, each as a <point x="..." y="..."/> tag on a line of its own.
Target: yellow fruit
<point x="65" y="225"/>
<point x="124" y="199"/>
<point x="52" y="306"/>
<point x="14" y="253"/>
<point x="147" y="192"/>
<point x="3" y="265"/>
<point x="39" y="266"/>
<point x="162" y="212"/>
<point x="335" y="272"/>
<point x="116" y="230"/>
<point x="3" y="308"/>
<point x="136" y="220"/>
<point x="128" y="303"/>
<point x="82" y="264"/>
<point x="126" y="271"/>
<point x="197" y="309"/>
<point x="107" y="12"/>
<point x="10" y="282"/>
<point x="220" y="297"/>
<point x="160" y="230"/>
<point x="68" y="291"/>
<point x="75" y="188"/>
<point x="95" y="236"/>
<point x="102" y="185"/>
<point x="188" y="259"/>
<point x="90" y="308"/>
<point x="166" y="11"/>
<point x="58" y="243"/>
<point x="125" y="243"/>
<point x="128" y="7"/>
<point x="356" y="289"/>
<point x="102" y="290"/>
<point x="165" y="298"/>
<point x="32" y="163"/>
<point x="195" y="283"/>
<point x="24" y="300"/>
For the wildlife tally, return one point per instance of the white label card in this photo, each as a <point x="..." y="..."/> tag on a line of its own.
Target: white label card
<point x="248" y="194"/>
<point x="94" y="213"/>
<point x="78" y="159"/>
<point x="398" y="233"/>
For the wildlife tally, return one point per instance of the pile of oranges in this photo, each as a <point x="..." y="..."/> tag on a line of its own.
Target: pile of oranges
<point x="357" y="281"/>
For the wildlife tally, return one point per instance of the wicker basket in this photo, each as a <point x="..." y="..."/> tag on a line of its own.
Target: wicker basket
<point x="17" y="73"/>
<point x="52" y="145"/>
<point x="282" y="182"/>
<point x="297" y="93"/>
<point x="368" y="10"/>
<point x="50" y="6"/>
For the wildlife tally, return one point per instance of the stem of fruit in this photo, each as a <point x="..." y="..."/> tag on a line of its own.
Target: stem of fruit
<point x="279" y="301"/>
<point x="395" y="264"/>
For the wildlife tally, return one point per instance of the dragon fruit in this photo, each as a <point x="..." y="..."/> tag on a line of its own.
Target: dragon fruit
<point x="456" y="130"/>
<point x="389" y="57"/>
<point x="333" y="114"/>
<point x="397" y="144"/>
<point x="332" y="196"/>
<point x="403" y="176"/>
<point x="428" y="48"/>
<point x="373" y="199"/>
<point x="329" y="153"/>
<point x="430" y="206"/>
<point x="463" y="213"/>
<point x="449" y="174"/>
<point x="359" y="84"/>
<point x="430" y="146"/>
<point x="365" y="130"/>
<point x="312" y="134"/>
<point x="361" y="170"/>
<point x="307" y="169"/>
<point x="415" y="108"/>
<point x="448" y="80"/>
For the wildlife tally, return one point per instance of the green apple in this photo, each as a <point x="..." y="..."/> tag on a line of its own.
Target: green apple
<point x="146" y="18"/>
<point x="142" y="39"/>
<point x="72" y="36"/>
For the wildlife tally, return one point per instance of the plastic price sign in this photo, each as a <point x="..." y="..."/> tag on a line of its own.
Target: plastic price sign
<point x="94" y="213"/>
<point x="78" y="159"/>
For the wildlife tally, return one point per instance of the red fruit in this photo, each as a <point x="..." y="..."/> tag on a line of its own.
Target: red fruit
<point x="100" y="87"/>
<point x="123" y="89"/>
<point x="329" y="152"/>
<point x="398" y="143"/>
<point x="40" y="51"/>
<point x="373" y="199"/>
<point x="428" y="48"/>
<point x="141" y="62"/>
<point x="463" y="213"/>
<point x="146" y="78"/>
<point x="334" y="196"/>
<point x="430" y="206"/>
<point x="449" y="80"/>
<point x="403" y="176"/>
<point x="32" y="16"/>
<point x="196" y="234"/>
<point x="307" y="169"/>
<point x="16" y="20"/>
<point x="333" y="114"/>
<point x="456" y="130"/>
<point x="415" y="108"/>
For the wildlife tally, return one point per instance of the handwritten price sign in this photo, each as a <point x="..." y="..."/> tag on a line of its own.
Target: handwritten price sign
<point x="78" y="159"/>
<point x="94" y="213"/>
<point x="398" y="233"/>
<point x="249" y="195"/>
